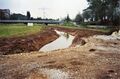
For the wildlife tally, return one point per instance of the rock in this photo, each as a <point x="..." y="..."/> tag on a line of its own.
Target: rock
<point x="115" y="33"/>
<point x="119" y="33"/>
<point x="82" y="42"/>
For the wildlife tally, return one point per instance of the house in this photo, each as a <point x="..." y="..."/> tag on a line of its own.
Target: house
<point x="4" y="14"/>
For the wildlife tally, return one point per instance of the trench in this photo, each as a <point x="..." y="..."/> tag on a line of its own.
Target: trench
<point x="63" y="41"/>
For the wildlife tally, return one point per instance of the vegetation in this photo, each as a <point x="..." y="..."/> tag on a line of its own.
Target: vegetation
<point x="15" y="16"/>
<point x="8" y="30"/>
<point x="67" y="19"/>
<point x="28" y="15"/>
<point x="105" y="11"/>
<point x="69" y="24"/>
<point x="78" y="19"/>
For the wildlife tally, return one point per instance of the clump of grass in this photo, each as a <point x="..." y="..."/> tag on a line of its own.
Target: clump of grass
<point x="84" y="25"/>
<point x="68" y="24"/>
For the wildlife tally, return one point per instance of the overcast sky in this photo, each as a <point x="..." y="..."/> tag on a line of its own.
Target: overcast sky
<point x="52" y="8"/>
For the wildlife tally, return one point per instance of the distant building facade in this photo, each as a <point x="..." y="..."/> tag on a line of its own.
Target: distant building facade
<point x="18" y="17"/>
<point x="4" y="14"/>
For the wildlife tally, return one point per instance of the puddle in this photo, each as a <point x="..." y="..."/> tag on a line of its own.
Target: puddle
<point x="55" y="74"/>
<point x="64" y="41"/>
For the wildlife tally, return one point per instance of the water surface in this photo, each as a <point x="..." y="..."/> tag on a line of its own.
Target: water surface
<point x="64" y="41"/>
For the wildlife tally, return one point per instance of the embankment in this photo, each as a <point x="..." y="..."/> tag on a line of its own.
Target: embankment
<point x="80" y="33"/>
<point x="26" y="44"/>
<point x="35" y="42"/>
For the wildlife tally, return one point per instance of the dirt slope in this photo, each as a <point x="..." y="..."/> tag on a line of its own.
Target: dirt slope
<point x="26" y="44"/>
<point x="36" y="41"/>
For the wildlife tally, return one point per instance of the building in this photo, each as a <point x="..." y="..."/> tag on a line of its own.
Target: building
<point x="18" y="17"/>
<point x="4" y="14"/>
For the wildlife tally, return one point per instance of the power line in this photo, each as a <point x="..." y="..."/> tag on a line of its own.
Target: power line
<point x="44" y="12"/>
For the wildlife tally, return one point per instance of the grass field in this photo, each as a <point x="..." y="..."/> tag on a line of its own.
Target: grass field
<point x="15" y="30"/>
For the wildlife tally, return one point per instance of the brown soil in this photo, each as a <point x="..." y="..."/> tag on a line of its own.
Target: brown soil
<point x="36" y="41"/>
<point x="80" y="33"/>
<point x="84" y="62"/>
<point x="28" y="43"/>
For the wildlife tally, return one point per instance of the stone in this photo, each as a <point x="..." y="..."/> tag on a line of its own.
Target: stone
<point x="115" y="33"/>
<point x="119" y="32"/>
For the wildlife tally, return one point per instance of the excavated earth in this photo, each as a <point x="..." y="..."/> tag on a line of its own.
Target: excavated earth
<point x="34" y="42"/>
<point x="29" y="43"/>
<point x="97" y="57"/>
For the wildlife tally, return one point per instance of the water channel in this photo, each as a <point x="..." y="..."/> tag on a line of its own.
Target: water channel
<point x="64" y="41"/>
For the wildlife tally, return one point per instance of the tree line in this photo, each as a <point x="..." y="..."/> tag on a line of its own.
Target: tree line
<point x="105" y="12"/>
<point x="15" y="16"/>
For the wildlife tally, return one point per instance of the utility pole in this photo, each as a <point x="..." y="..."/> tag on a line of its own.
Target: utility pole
<point x="44" y="12"/>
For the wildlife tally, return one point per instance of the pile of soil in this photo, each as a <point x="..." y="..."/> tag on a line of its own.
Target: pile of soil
<point x="80" y="33"/>
<point x="27" y="44"/>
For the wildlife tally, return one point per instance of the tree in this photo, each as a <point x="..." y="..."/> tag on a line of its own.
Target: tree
<point x="17" y="17"/>
<point x="104" y="10"/>
<point x="28" y="15"/>
<point x="87" y="14"/>
<point x="78" y="18"/>
<point x="39" y="18"/>
<point x="67" y="19"/>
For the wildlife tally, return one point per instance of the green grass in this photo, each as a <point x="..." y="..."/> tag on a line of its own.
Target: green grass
<point x="16" y="30"/>
<point x="68" y="24"/>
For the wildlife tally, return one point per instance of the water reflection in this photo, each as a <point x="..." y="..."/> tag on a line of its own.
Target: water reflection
<point x="66" y="35"/>
<point x="64" y="41"/>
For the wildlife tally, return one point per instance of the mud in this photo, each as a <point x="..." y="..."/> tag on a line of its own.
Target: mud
<point x="35" y="42"/>
<point x="27" y="44"/>
<point x="80" y="33"/>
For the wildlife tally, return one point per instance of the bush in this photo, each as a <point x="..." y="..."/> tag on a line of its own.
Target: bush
<point x="83" y="24"/>
<point x="68" y="24"/>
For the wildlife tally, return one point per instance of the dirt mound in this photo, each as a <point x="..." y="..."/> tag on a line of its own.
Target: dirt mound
<point x="80" y="33"/>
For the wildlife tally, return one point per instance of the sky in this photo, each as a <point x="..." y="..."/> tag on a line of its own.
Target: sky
<point x="45" y="8"/>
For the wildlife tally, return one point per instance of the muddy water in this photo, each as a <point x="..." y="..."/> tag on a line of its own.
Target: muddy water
<point x="64" y="41"/>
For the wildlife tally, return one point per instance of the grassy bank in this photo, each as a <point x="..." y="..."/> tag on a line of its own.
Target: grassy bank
<point x="8" y="30"/>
